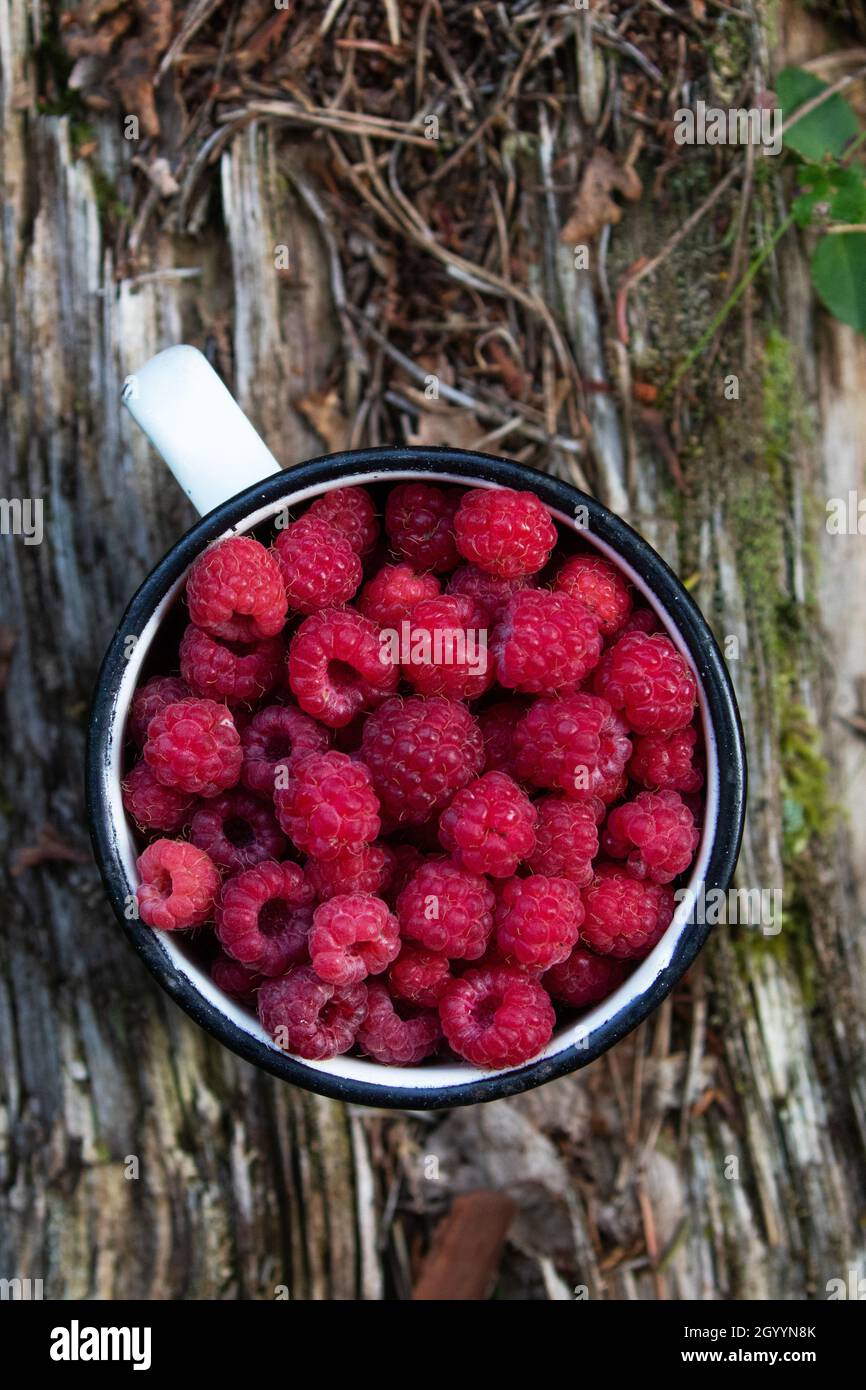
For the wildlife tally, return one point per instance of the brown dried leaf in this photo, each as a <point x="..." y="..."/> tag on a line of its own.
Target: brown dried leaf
<point x="447" y="425"/>
<point x="594" y="206"/>
<point x="323" y="411"/>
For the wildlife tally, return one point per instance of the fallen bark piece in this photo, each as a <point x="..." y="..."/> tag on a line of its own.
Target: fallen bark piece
<point x="595" y="206"/>
<point x="463" y="1259"/>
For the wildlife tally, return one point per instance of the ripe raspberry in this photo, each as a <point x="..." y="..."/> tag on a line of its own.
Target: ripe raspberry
<point x="395" y="1033"/>
<point x="496" y="1017"/>
<point x="420" y="752"/>
<point x="505" y="532"/>
<point x="306" y="1016"/>
<point x="235" y="979"/>
<point x="575" y="744"/>
<point x="663" y="762"/>
<point x="318" y="565"/>
<point x="655" y="834"/>
<point x="193" y="746"/>
<point x="625" y="916"/>
<point x="600" y="587"/>
<point x="489" y="826"/>
<point x="648" y="679"/>
<point x="273" y="739"/>
<point x="566" y="838"/>
<point x="329" y="805"/>
<point x="351" y="511"/>
<point x="419" y="520"/>
<point x="447" y="909"/>
<point x="490" y="590"/>
<point x="237" y="830"/>
<point x="151" y="805"/>
<point x="391" y="595"/>
<point x="353" y="935"/>
<point x="642" y="620"/>
<point x="178" y="885"/>
<point x="419" y="976"/>
<point x="498" y="723"/>
<point x="546" y="643"/>
<point x="227" y="671"/>
<point x="447" y="648"/>
<point x="584" y="978"/>
<point x="151" y="699"/>
<point x="263" y="917"/>
<point x="234" y="591"/>
<point x="367" y="870"/>
<point x="338" y="666"/>
<point x="537" y="920"/>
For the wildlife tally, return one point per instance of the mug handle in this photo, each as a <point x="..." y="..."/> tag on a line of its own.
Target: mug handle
<point x="194" y="422"/>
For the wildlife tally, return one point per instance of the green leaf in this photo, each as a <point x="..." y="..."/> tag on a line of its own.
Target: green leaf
<point x="827" y="129"/>
<point x="848" y="203"/>
<point x="840" y="192"/>
<point x="839" y="276"/>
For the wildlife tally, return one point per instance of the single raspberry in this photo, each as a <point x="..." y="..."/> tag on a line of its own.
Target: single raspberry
<point x="151" y="805"/>
<point x="338" y="666"/>
<point x="151" y="699"/>
<point x="498" y="723"/>
<point x="264" y="916"/>
<point x="419" y="520"/>
<point x="489" y="826"/>
<point x="306" y="1016"/>
<point x="353" y="935"/>
<point x="228" y="671"/>
<point x="235" y="979"/>
<point x="648" y="680"/>
<point x="496" y="1017"/>
<point x="600" y="587"/>
<point x="329" y="805"/>
<point x="237" y="830"/>
<point x="575" y="744"/>
<point x="318" y="565"/>
<point x="397" y="1034"/>
<point x="505" y="532"/>
<point x="655" y="834"/>
<point x="235" y="591"/>
<point x="193" y="746"/>
<point x="273" y="739"/>
<point x="407" y="860"/>
<point x="390" y="596"/>
<point x="420" y="752"/>
<point x="666" y="762"/>
<point x="447" y="909"/>
<point x="584" y="978"/>
<point x="566" y="838"/>
<point x="446" y="648"/>
<point x="366" y="870"/>
<point x="419" y="976"/>
<point x="537" y="920"/>
<point x="351" y="511"/>
<point x="625" y="916"/>
<point x="178" y="885"/>
<point x="490" y="590"/>
<point x="642" y="620"/>
<point x="546" y="643"/>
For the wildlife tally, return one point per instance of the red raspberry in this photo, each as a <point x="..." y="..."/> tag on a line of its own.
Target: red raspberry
<point x="193" y="746"/>
<point x="419" y="520"/>
<point x="419" y="976"/>
<point x="151" y="699"/>
<point x="574" y="743"/>
<point x="447" y="909"/>
<point x="318" y="565"/>
<point x="600" y="587"/>
<point x="498" y="723"/>
<point x="227" y="671"/>
<point x="339" y="666"/>
<point x="496" y="1017"/>
<point x="505" y="532"/>
<point x="306" y="1016"/>
<point x="648" y="679"/>
<point x="351" y="511"/>
<point x="447" y="648"/>
<point x="353" y="935"/>
<point x="655" y="834"/>
<point x="235" y="591"/>
<point x="663" y="762"/>
<point x="235" y="979"/>
<point x="263" y="917"/>
<point x="367" y="870"/>
<point x="490" y="590"/>
<point x="537" y="920"/>
<point x="625" y="916"/>
<point x="584" y="978"/>
<point x="151" y="805"/>
<point x="329" y="805"/>
<point x="546" y="643"/>
<point x="178" y="885"/>
<point x="489" y="826"/>
<point x="420" y="752"/>
<point x="566" y="838"/>
<point x="395" y="1033"/>
<point x="237" y="830"/>
<point x="642" y="620"/>
<point x="390" y="595"/>
<point x="273" y="739"/>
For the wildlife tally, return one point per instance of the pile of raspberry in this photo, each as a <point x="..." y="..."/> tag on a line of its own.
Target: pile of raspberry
<point x="428" y="791"/>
